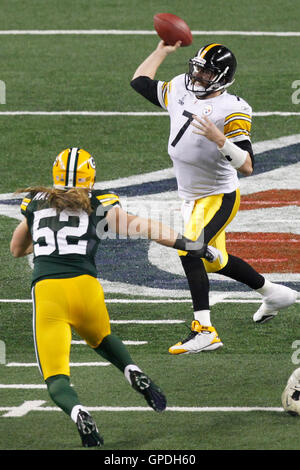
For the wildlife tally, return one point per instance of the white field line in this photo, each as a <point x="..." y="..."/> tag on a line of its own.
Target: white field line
<point x="82" y="113"/>
<point x="22" y="410"/>
<point x="157" y="301"/>
<point x="146" y="322"/>
<point x="128" y="343"/>
<point x="129" y="113"/>
<point x="138" y="32"/>
<point x="36" y="405"/>
<point x="72" y="364"/>
<point x="134" y="343"/>
<point x="23" y="386"/>
<point x="185" y="409"/>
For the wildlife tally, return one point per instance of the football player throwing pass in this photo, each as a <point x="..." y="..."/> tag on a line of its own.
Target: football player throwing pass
<point x="209" y="143"/>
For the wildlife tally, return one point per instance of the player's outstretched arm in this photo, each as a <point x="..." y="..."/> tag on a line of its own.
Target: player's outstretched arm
<point x="133" y="226"/>
<point x="21" y="242"/>
<point x="149" y="67"/>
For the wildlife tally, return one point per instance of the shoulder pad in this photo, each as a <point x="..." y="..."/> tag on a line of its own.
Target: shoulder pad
<point x="241" y="105"/>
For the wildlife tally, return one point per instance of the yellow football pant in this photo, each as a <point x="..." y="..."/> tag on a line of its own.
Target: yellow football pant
<point x="58" y="306"/>
<point x="210" y="217"/>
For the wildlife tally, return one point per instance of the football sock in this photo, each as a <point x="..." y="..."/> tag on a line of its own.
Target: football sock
<point x="203" y="317"/>
<point x="266" y="289"/>
<point x="241" y="271"/>
<point x="198" y="282"/>
<point x="75" y="411"/>
<point x="129" y="368"/>
<point x="113" y="349"/>
<point x="62" y="393"/>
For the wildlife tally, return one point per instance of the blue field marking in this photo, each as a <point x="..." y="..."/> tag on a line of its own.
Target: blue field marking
<point x="126" y="261"/>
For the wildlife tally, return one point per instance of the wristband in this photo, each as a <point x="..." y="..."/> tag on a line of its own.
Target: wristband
<point x="234" y="154"/>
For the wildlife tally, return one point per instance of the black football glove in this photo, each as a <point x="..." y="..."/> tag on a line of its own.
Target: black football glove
<point x="198" y="249"/>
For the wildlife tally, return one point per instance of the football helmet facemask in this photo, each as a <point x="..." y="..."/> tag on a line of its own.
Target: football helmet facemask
<point x="74" y="167"/>
<point x="211" y="70"/>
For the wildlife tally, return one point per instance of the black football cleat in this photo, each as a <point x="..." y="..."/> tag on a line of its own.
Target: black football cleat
<point x="88" y="430"/>
<point x="152" y="393"/>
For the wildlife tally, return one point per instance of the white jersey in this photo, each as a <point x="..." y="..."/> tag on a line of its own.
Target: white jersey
<point x="200" y="168"/>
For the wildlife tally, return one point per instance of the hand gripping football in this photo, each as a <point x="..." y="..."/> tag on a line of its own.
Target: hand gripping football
<point x="171" y="29"/>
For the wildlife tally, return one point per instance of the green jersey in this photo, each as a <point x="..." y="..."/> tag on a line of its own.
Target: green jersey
<point x="65" y="242"/>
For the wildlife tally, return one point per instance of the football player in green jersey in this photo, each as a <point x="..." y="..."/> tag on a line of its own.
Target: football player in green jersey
<point x="62" y="227"/>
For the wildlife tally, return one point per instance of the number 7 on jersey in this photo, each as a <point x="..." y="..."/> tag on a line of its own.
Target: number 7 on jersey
<point x="184" y="127"/>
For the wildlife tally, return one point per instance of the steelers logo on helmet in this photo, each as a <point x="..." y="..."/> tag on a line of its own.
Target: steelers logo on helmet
<point x="211" y="70"/>
<point x="74" y="168"/>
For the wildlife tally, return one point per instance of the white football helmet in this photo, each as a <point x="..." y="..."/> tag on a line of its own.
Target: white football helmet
<point x="290" y="397"/>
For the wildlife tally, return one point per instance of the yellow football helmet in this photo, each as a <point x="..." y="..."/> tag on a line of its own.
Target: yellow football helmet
<point x="74" y="167"/>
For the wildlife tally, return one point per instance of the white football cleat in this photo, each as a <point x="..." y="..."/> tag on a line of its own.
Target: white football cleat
<point x="201" y="338"/>
<point x="281" y="297"/>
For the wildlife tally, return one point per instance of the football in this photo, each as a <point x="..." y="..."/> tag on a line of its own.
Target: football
<point x="290" y="397"/>
<point x="171" y="29"/>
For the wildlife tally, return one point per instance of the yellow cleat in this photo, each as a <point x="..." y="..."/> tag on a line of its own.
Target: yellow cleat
<point x="201" y="338"/>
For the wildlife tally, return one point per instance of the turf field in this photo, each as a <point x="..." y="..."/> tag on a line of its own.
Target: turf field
<point x="61" y="90"/>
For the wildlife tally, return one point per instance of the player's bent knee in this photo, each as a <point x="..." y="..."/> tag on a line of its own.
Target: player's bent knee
<point x="55" y="383"/>
<point x="189" y="263"/>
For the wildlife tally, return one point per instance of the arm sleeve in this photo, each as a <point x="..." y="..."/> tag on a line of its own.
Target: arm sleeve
<point x="102" y="202"/>
<point x="24" y="205"/>
<point x="246" y="145"/>
<point x="147" y="88"/>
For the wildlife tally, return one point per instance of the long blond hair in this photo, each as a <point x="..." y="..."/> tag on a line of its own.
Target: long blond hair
<point x="60" y="199"/>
